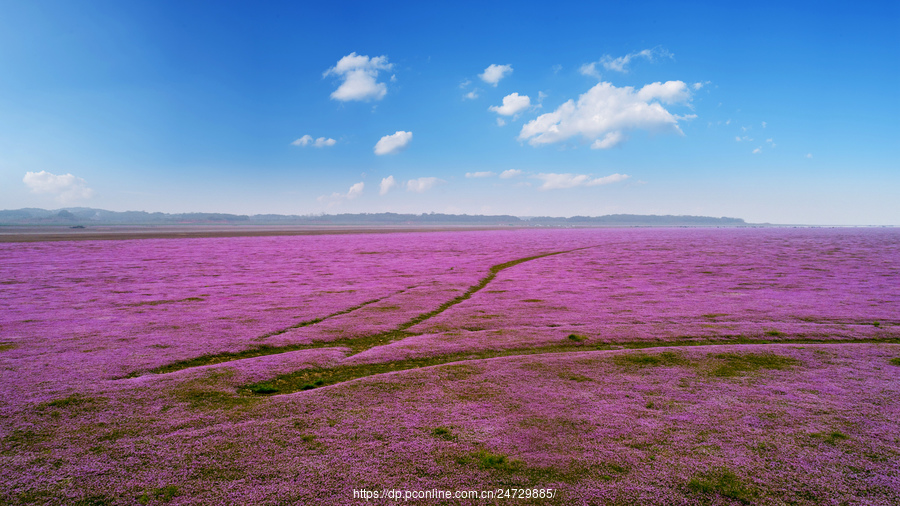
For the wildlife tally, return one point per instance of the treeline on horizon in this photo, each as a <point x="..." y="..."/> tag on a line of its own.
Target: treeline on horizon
<point x="87" y="216"/>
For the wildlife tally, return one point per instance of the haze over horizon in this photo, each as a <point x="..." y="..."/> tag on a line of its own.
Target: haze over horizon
<point x="770" y="112"/>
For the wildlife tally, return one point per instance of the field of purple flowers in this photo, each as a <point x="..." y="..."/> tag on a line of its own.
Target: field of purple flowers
<point x="656" y="366"/>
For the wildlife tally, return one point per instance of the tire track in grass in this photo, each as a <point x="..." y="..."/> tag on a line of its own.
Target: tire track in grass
<point x="311" y="378"/>
<point x="314" y="321"/>
<point x="356" y="344"/>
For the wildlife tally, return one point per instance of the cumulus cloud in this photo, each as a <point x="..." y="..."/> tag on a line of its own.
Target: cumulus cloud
<point x="494" y="73"/>
<point x="66" y="188"/>
<point x="355" y="190"/>
<point x="359" y="75"/>
<point x="510" y="173"/>
<point x="501" y="122"/>
<point x="480" y="174"/>
<point x="394" y="143"/>
<point x="604" y="113"/>
<point x="512" y="104"/>
<point x="553" y="181"/>
<point x="335" y="198"/>
<point x="757" y="150"/>
<point x="472" y="95"/>
<point x="422" y="184"/>
<point x="669" y="92"/>
<point x="386" y="185"/>
<point x="307" y="140"/>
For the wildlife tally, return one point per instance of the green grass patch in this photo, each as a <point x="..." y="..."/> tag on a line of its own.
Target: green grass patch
<point x="444" y="433"/>
<point x="165" y="301"/>
<point x="775" y="333"/>
<point x="8" y="346"/>
<point x="831" y="438"/>
<point x="895" y="361"/>
<point x="19" y="438"/>
<point x="664" y="359"/>
<point x="200" y="398"/>
<point x="737" y="364"/>
<point x="577" y="338"/>
<point x="484" y="459"/>
<point x="164" y="494"/>
<point x="72" y="401"/>
<point x="725" y="483"/>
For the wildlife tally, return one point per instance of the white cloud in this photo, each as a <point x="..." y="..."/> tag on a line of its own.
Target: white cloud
<point x="465" y="83"/>
<point x="66" y="188"/>
<point x="494" y="73"/>
<point x="510" y="173"/>
<point x="422" y="184"/>
<point x="620" y="64"/>
<point x="809" y="155"/>
<point x="590" y="70"/>
<point x="501" y="122"/>
<point x="556" y="68"/>
<point x="356" y="190"/>
<point x="606" y="112"/>
<point x="609" y="140"/>
<point x="669" y="92"/>
<point x="394" y="143"/>
<point x="302" y="141"/>
<point x="553" y="181"/>
<point x="697" y="86"/>
<point x="512" y="104"/>
<point x="745" y="138"/>
<point x="335" y="198"/>
<point x="480" y="174"/>
<point x="359" y="74"/>
<point x="472" y="95"/>
<point x="386" y="185"/>
<point x="757" y="150"/>
<point x="307" y="140"/>
<point x="764" y="124"/>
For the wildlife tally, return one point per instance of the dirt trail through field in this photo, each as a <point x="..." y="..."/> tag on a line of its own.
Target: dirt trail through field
<point x="356" y="344"/>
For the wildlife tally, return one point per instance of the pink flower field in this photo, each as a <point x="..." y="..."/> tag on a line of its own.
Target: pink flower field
<point x="598" y="366"/>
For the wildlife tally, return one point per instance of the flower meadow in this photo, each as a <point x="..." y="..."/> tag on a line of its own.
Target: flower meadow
<point x="615" y="366"/>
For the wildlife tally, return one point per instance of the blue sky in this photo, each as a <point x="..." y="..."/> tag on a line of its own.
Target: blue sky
<point x="772" y="112"/>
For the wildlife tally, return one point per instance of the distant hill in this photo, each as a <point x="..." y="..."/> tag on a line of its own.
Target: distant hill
<point x="83" y="216"/>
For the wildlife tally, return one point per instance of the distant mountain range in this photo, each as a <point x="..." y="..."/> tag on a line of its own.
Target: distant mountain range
<point x="84" y="217"/>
